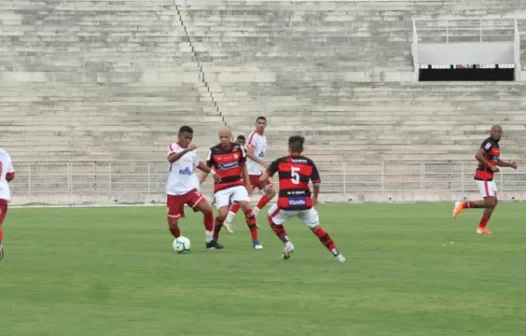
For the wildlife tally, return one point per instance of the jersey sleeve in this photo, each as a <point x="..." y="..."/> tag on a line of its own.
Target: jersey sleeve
<point x="171" y="149"/>
<point x="252" y="140"/>
<point x="210" y="159"/>
<point x="315" y="175"/>
<point x="273" y="168"/>
<point x="486" y="145"/>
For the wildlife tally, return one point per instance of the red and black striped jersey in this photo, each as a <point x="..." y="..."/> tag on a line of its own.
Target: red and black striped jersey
<point x="228" y="164"/>
<point x="294" y="172"/>
<point x="492" y="155"/>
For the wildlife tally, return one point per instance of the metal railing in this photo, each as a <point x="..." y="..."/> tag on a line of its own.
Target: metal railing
<point x="465" y="30"/>
<point x="149" y="178"/>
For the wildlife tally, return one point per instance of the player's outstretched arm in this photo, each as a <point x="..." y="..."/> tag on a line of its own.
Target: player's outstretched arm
<point x="207" y="170"/>
<point x="10" y="176"/>
<point x="202" y="177"/>
<point x="244" y="175"/>
<point x="263" y="177"/>
<point x="507" y="164"/>
<point x="251" y="156"/>
<point x="172" y="157"/>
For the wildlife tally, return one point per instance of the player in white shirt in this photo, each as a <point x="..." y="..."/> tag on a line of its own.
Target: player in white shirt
<point x="183" y="186"/>
<point x="257" y="146"/>
<point x="7" y="174"/>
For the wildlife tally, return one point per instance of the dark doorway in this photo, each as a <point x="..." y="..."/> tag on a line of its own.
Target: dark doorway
<point x="466" y="74"/>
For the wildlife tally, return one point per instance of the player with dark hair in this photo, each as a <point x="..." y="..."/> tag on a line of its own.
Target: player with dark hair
<point x="241" y="140"/>
<point x="488" y="156"/>
<point x="294" y="198"/>
<point x="183" y="186"/>
<point x="257" y="146"/>
<point x="228" y="160"/>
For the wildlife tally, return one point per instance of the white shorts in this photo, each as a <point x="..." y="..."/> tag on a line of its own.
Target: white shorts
<point x="309" y="217"/>
<point x="487" y="188"/>
<point x="227" y="196"/>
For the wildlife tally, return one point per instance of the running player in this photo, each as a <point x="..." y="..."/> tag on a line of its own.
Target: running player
<point x="229" y="161"/>
<point x="257" y="146"/>
<point x="7" y="174"/>
<point x="294" y="199"/>
<point x="183" y="186"/>
<point x="488" y="156"/>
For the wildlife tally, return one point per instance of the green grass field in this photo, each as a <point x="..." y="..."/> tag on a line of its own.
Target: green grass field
<point x="411" y="270"/>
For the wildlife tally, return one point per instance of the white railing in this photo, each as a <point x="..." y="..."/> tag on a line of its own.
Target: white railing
<point x="114" y="179"/>
<point x="465" y="30"/>
<point x="414" y="49"/>
<point x="517" y="52"/>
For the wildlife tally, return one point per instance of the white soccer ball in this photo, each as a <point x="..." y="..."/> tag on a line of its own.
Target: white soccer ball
<point x="181" y="244"/>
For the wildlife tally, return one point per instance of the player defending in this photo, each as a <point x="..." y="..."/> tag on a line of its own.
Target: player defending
<point x="294" y="199"/>
<point x="257" y="146"/>
<point x="229" y="161"/>
<point x="183" y="186"/>
<point x="7" y="174"/>
<point x="489" y="160"/>
<point x="241" y="140"/>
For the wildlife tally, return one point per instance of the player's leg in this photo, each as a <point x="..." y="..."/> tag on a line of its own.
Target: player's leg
<point x="240" y="195"/>
<point x="222" y="201"/>
<point x="312" y="220"/>
<point x="487" y="190"/>
<point x="486" y="215"/>
<point x="175" y="211"/>
<point x="234" y="208"/>
<point x="276" y="218"/>
<point x="3" y="213"/>
<point x="270" y="192"/>
<point x="199" y="203"/>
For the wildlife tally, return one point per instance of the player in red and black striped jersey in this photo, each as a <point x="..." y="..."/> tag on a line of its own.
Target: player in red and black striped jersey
<point x="488" y="156"/>
<point x="295" y="198"/>
<point x="228" y="160"/>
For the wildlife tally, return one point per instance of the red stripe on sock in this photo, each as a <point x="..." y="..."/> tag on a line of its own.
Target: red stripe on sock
<point x="263" y="201"/>
<point x="208" y="220"/>
<point x="234" y="208"/>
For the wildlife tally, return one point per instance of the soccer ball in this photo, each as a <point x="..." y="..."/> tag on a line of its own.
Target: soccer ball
<point x="181" y="244"/>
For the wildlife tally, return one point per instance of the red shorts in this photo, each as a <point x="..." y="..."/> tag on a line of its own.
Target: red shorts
<point x="175" y="203"/>
<point x="254" y="182"/>
<point x="3" y="210"/>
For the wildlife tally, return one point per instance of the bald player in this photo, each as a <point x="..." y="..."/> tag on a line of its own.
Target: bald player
<point x="228" y="160"/>
<point x="488" y="157"/>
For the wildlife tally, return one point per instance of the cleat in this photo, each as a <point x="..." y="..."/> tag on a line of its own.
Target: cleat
<point x="1" y="252"/>
<point x="459" y="207"/>
<point x="288" y="250"/>
<point x="214" y="245"/>
<point x="257" y="245"/>
<point x="340" y="258"/>
<point x="483" y="230"/>
<point x="228" y="227"/>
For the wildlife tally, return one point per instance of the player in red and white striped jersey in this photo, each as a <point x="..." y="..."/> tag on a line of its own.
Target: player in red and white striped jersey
<point x="488" y="156"/>
<point x="256" y="148"/>
<point x="7" y="174"/>
<point x="295" y="199"/>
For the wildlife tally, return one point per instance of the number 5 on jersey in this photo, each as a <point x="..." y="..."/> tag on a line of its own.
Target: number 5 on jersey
<point x="295" y="177"/>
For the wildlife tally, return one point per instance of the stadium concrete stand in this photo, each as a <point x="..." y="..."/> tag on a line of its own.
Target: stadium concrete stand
<point x="113" y="80"/>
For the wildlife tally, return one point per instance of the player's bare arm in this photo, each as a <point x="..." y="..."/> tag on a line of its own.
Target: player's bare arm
<point x="315" y="193"/>
<point x="263" y="177"/>
<point x="480" y="157"/>
<point x="244" y="176"/>
<point x="9" y="177"/>
<point x="507" y="164"/>
<point x="207" y="170"/>
<point x="251" y="156"/>
<point x="176" y="156"/>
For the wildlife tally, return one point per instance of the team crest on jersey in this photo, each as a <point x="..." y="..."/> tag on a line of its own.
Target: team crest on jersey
<point x="236" y="156"/>
<point x="186" y="171"/>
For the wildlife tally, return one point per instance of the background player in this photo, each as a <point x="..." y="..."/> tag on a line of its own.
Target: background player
<point x="7" y="174"/>
<point x="229" y="161"/>
<point x="241" y="140"/>
<point x="257" y="146"/>
<point x="183" y="186"/>
<point x="488" y="156"/>
<point x="294" y="199"/>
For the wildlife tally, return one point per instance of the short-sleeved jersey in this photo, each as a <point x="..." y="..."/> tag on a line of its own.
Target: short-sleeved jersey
<point x="295" y="172"/>
<point x="228" y="164"/>
<point x="6" y="169"/>
<point x="259" y="143"/>
<point x="492" y="155"/>
<point x="181" y="176"/>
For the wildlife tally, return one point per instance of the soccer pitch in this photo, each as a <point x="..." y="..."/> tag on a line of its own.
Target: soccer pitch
<point x="410" y="270"/>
